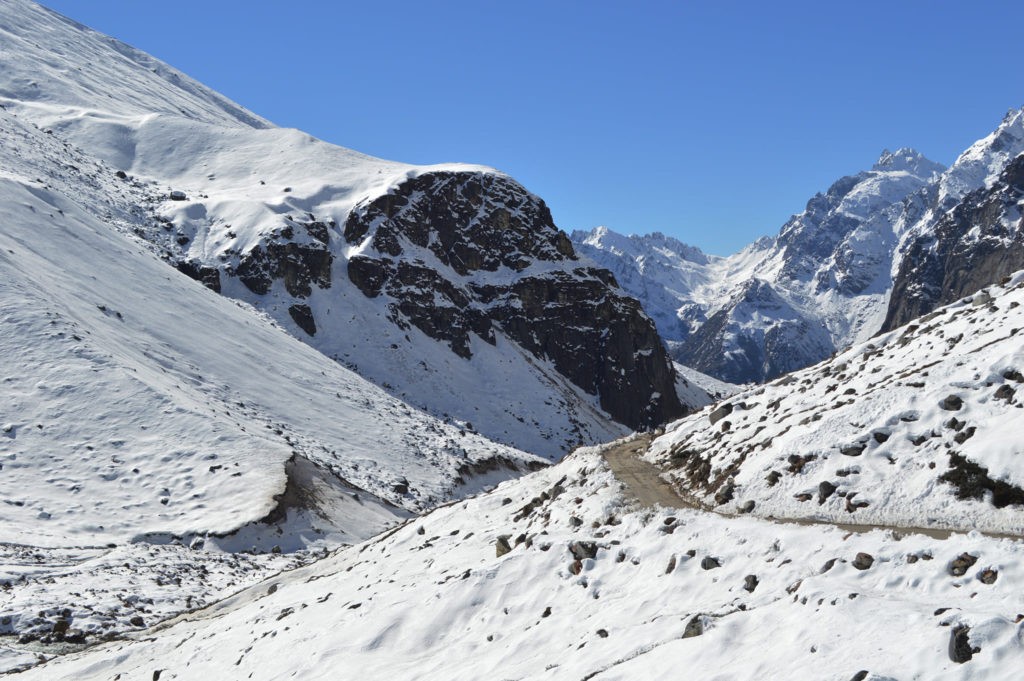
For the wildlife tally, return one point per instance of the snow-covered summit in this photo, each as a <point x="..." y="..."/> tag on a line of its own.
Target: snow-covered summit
<point x="908" y="160"/>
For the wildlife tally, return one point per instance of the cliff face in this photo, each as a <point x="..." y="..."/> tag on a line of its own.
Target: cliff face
<point x="977" y="243"/>
<point x="462" y="254"/>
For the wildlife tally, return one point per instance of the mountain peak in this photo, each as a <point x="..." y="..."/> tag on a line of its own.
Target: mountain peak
<point x="909" y="160"/>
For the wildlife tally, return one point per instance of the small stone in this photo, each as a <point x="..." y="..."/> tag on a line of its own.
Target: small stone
<point x="501" y="546"/>
<point x="988" y="576"/>
<point x="603" y="633"/>
<point x="750" y="583"/>
<point x="960" y="565"/>
<point x="547" y="612"/>
<point x="695" y="627"/>
<point x="855" y="449"/>
<point x="178" y="196"/>
<point x="709" y="563"/>
<point x="863" y="561"/>
<point x="773" y="478"/>
<point x="951" y="403"/>
<point x="137" y="621"/>
<point x="825" y="490"/>
<point x="747" y="506"/>
<point x="1004" y="392"/>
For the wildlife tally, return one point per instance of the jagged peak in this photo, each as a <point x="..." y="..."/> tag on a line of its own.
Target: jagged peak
<point x="635" y="245"/>
<point x="909" y="160"/>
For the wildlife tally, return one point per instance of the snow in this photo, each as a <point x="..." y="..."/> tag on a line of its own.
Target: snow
<point x="432" y="600"/>
<point x="139" y="407"/>
<point x="888" y="400"/>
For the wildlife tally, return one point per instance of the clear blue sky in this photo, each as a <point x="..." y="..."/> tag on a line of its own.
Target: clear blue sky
<point x="710" y="121"/>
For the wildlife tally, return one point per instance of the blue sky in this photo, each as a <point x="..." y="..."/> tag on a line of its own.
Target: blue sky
<point x="709" y="121"/>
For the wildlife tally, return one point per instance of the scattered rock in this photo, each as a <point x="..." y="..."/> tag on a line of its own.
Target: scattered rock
<point x="962" y="563"/>
<point x="960" y="649"/>
<point x="720" y="413"/>
<point x="1004" y="392"/>
<point x="671" y="565"/>
<point x="695" y="627"/>
<point x="863" y="561"/>
<point x="501" y="546"/>
<point x="855" y="449"/>
<point x="829" y="564"/>
<point x="860" y="676"/>
<point x="583" y="549"/>
<point x="747" y="506"/>
<point x="988" y="576"/>
<point x="773" y="478"/>
<point x="951" y="403"/>
<point x="137" y="621"/>
<point x="603" y="633"/>
<point x="825" y="490"/>
<point x="177" y="196"/>
<point x="547" y="612"/>
<point x="709" y="563"/>
<point x="1013" y="375"/>
<point x="880" y="436"/>
<point x="750" y="583"/>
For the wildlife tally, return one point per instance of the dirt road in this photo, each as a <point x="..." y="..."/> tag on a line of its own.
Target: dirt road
<point x="643" y="483"/>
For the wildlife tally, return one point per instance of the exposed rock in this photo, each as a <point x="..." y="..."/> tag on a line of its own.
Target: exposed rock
<point x="855" y="449"/>
<point x="863" y="561"/>
<point x="750" y="583"/>
<point x="303" y="317"/>
<point x="710" y="563"/>
<point x="501" y="546"/>
<point x="720" y="413"/>
<point x="960" y="649"/>
<point x="583" y="549"/>
<point x="1004" y="392"/>
<point x="973" y="482"/>
<point x="962" y="563"/>
<point x="177" y="195"/>
<point x="204" y="274"/>
<point x="944" y="264"/>
<point x="695" y="627"/>
<point x="476" y="223"/>
<point x="951" y="403"/>
<point x="825" y="490"/>
<point x="988" y="576"/>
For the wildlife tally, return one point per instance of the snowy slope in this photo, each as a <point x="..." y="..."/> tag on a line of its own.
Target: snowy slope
<point x="916" y="428"/>
<point x="139" y="406"/>
<point x="587" y="585"/>
<point x="256" y="196"/>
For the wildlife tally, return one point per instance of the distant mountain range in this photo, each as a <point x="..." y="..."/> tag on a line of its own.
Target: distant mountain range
<point x="872" y="252"/>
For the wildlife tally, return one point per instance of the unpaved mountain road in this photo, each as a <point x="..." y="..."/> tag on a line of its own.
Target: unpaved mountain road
<point x="643" y="483"/>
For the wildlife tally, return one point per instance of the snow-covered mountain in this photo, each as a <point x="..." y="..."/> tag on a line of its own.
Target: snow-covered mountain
<point x="784" y="302"/>
<point x="965" y="233"/>
<point x="383" y="333"/>
<point x="432" y="281"/>
<point x="591" y="570"/>
<point x="152" y="430"/>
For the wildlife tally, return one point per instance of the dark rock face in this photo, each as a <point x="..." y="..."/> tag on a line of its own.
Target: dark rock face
<point x="303" y="316"/>
<point x="432" y="243"/>
<point x="204" y="274"/>
<point x="298" y="265"/>
<point x="977" y="243"/>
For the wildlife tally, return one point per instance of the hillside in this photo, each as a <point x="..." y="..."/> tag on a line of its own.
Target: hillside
<point x="279" y="220"/>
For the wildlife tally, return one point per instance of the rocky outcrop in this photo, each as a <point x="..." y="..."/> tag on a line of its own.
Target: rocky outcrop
<point x="977" y="243"/>
<point x="300" y="264"/>
<point x="462" y="256"/>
